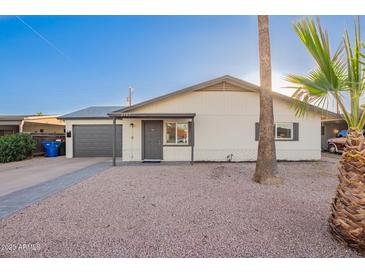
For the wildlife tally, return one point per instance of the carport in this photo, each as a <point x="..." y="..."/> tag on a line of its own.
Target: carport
<point x="330" y="128"/>
<point x="11" y="124"/>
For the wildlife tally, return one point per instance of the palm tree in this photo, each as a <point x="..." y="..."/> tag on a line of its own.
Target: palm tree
<point x="266" y="166"/>
<point x="338" y="76"/>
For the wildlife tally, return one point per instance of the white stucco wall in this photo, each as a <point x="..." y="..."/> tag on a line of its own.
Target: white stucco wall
<point x="70" y="123"/>
<point x="132" y="140"/>
<point x="225" y="124"/>
<point x="132" y="143"/>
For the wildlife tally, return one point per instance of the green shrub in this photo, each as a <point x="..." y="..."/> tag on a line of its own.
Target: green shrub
<point x="16" y="147"/>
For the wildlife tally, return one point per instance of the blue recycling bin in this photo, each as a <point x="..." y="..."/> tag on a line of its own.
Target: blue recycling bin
<point x="52" y="148"/>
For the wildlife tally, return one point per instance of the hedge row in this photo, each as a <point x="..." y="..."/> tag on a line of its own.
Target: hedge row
<point x="16" y="147"/>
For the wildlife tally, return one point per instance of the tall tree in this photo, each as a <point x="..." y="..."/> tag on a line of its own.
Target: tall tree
<point x="266" y="165"/>
<point x="338" y="76"/>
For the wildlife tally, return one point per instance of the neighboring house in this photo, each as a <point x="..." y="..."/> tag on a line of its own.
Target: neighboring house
<point x="11" y="124"/>
<point x="215" y="120"/>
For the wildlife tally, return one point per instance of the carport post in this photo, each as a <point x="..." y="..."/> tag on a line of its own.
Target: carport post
<point x="114" y="138"/>
<point x="192" y="141"/>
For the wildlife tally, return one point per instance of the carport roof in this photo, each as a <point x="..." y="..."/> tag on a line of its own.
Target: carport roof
<point x="94" y="112"/>
<point x="13" y="117"/>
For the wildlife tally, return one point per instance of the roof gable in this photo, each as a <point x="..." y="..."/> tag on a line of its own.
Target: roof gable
<point x="228" y="82"/>
<point x="223" y="86"/>
<point x="224" y="83"/>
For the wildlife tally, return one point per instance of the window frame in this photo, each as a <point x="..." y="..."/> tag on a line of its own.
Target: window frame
<point x="291" y="131"/>
<point x="176" y="143"/>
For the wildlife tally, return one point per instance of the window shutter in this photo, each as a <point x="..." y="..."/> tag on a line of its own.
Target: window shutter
<point x="296" y="132"/>
<point x="191" y="133"/>
<point x="257" y="130"/>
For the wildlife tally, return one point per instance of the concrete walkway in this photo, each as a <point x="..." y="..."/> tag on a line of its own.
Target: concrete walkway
<point x="20" y="175"/>
<point x="27" y="182"/>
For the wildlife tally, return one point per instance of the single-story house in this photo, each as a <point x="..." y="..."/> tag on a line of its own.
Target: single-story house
<point x="11" y="124"/>
<point x="217" y="120"/>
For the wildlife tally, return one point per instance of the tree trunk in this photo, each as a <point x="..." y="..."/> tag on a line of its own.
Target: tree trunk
<point x="266" y="166"/>
<point x="347" y="219"/>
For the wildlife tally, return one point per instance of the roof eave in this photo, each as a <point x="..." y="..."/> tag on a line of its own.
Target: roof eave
<point x="237" y="81"/>
<point x="151" y="115"/>
<point x="82" y="118"/>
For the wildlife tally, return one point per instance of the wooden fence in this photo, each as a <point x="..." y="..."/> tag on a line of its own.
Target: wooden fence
<point x="41" y="137"/>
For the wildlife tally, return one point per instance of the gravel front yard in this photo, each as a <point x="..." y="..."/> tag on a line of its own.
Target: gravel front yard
<point x="205" y="210"/>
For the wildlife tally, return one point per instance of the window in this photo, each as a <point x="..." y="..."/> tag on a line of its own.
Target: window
<point x="170" y="133"/>
<point x="284" y="131"/>
<point x="177" y="133"/>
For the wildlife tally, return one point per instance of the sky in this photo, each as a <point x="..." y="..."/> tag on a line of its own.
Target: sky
<point x="59" y="64"/>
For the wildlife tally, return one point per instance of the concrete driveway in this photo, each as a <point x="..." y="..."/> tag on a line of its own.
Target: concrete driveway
<point x="16" y="176"/>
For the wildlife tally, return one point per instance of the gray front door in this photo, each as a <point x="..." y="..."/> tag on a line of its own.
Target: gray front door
<point x="152" y="140"/>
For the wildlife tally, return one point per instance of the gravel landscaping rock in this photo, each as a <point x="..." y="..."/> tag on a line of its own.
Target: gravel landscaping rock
<point x="204" y="210"/>
<point x="20" y="199"/>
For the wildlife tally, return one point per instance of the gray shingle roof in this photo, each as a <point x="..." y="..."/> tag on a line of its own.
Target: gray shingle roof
<point x="91" y="112"/>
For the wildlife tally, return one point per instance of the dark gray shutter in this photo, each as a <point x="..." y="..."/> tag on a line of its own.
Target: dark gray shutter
<point x="191" y="133"/>
<point x="257" y="130"/>
<point x="296" y="132"/>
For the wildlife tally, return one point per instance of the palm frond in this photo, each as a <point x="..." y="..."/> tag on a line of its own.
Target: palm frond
<point x="331" y="77"/>
<point x="355" y="81"/>
<point x="303" y="99"/>
<point x="317" y="43"/>
<point x="312" y="89"/>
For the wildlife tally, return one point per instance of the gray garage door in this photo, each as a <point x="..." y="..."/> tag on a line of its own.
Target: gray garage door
<point x="96" y="141"/>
